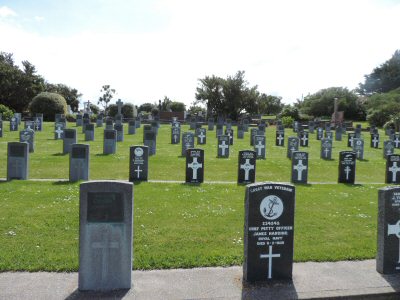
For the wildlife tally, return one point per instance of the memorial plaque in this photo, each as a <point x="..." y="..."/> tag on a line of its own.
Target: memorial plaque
<point x="17" y="161"/>
<point x="68" y="140"/>
<point x="320" y="133"/>
<point x="388" y="248"/>
<point x="79" y="120"/>
<point x="229" y="132"/>
<point x="220" y="130"/>
<point x="338" y="133"/>
<point x="13" y="124"/>
<point x="211" y="124"/>
<point x="388" y="148"/>
<point x="299" y="167"/>
<point x="175" y="135"/>
<point x="79" y="162"/>
<point x="201" y="136"/>
<point x="247" y="167"/>
<point x="29" y="125"/>
<point x="375" y="140"/>
<point x="187" y="142"/>
<point x="120" y="131"/>
<point x="347" y="167"/>
<point x="260" y="146"/>
<point x="253" y="133"/>
<point x="59" y="131"/>
<point x="326" y="148"/>
<point x="150" y="140"/>
<point x="138" y="163"/>
<point x="89" y="132"/>
<point x="240" y="131"/>
<point x="109" y="124"/>
<point x="85" y="122"/>
<point x="38" y="122"/>
<point x="280" y="138"/>
<point x="105" y="235"/>
<point x="268" y="232"/>
<point x="28" y="136"/>
<point x="293" y="145"/>
<point x="392" y="169"/>
<point x="304" y="139"/>
<point x="58" y="118"/>
<point x="223" y="146"/>
<point x="358" y="148"/>
<point x="110" y="141"/>
<point x="194" y="166"/>
<point x="350" y="139"/>
<point x="132" y="127"/>
<point x="99" y="121"/>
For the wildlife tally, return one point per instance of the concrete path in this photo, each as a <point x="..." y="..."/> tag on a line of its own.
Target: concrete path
<point x="344" y="280"/>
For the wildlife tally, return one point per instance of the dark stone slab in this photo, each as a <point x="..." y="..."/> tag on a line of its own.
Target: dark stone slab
<point x="260" y="146"/>
<point x="388" y="246"/>
<point x="85" y="121"/>
<point x="320" y="133"/>
<point x="219" y="130"/>
<point x="78" y="121"/>
<point x="280" y="138"/>
<point x="299" y="167"/>
<point x="329" y="135"/>
<point x="139" y="163"/>
<point x="59" y="131"/>
<point x="388" y="148"/>
<point x="268" y="232"/>
<point x="211" y="124"/>
<point x="229" y="132"/>
<point x="99" y="121"/>
<point x="150" y="140"/>
<point x="304" y="139"/>
<point x="13" y="124"/>
<point x="326" y="148"/>
<point x="396" y="140"/>
<point x="69" y="139"/>
<point x="194" y="165"/>
<point x="347" y="167"/>
<point x="1" y="128"/>
<point x="79" y="162"/>
<point x="350" y="139"/>
<point x="338" y="133"/>
<point x="375" y="140"/>
<point x="293" y="145"/>
<point x="109" y="124"/>
<point x="201" y="136"/>
<point x="175" y="135"/>
<point x="240" y="131"/>
<point x="105" y="235"/>
<point x="119" y="127"/>
<point x="89" y="132"/>
<point x="358" y="148"/>
<point x="223" y="146"/>
<point x="132" y="127"/>
<point x="17" y="161"/>
<point x="187" y="142"/>
<point x="247" y="167"/>
<point x="109" y="141"/>
<point x="28" y="136"/>
<point x="392" y="169"/>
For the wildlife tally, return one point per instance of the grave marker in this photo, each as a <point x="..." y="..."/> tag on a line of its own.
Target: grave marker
<point x="132" y="127"/>
<point x="388" y="148"/>
<point x="211" y="124"/>
<point x="223" y="146"/>
<point x="69" y="139"/>
<point x="105" y="235"/>
<point x="139" y="163"/>
<point x="120" y="131"/>
<point x="304" y="139"/>
<point x="293" y="145"/>
<point x="86" y="121"/>
<point x="110" y="141"/>
<point x="89" y="132"/>
<point x="187" y="142"/>
<point x="299" y="167"/>
<point x="247" y="167"/>
<point x="17" y="161"/>
<point x="201" y="136"/>
<point x="358" y="148"/>
<point x="229" y="132"/>
<point x="320" y="133"/>
<point x="194" y="165"/>
<point x="347" y="167"/>
<point x="150" y="140"/>
<point x="260" y="146"/>
<point x="79" y="162"/>
<point x="175" y="135"/>
<point x="326" y="148"/>
<point x="1" y="128"/>
<point x="13" y="124"/>
<point x="375" y="140"/>
<point x="59" y="131"/>
<point x="268" y="232"/>
<point x="99" y="121"/>
<point x="280" y="138"/>
<point x="350" y="140"/>
<point x="220" y="130"/>
<point x="240" y="131"/>
<point x="338" y="133"/>
<point x="29" y="125"/>
<point x="396" y="140"/>
<point x="78" y="120"/>
<point x="28" y="136"/>
<point x="392" y="169"/>
<point x="109" y="124"/>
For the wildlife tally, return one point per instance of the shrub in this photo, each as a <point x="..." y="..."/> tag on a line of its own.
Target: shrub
<point x="287" y="121"/>
<point x="290" y="111"/>
<point x="128" y="110"/>
<point x="6" y="112"/>
<point x="49" y="104"/>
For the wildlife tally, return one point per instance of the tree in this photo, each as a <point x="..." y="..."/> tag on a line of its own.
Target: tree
<point x="108" y="94"/>
<point x="146" y="107"/>
<point x="177" y="106"/>
<point x="71" y="95"/>
<point x="196" y="109"/>
<point x="290" y="111"/>
<point x="270" y="105"/>
<point x="165" y="104"/>
<point x="49" y="104"/>
<point x="384" y="78"/>
<point x="382" y="106"/>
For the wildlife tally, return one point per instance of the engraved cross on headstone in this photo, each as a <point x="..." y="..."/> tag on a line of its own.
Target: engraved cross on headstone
<point x="280" y="138"/>
<point x="394" y="169"/>
<point x="326" y="150"/>
<point x="223" y="146"/>
<point x="395" y="230"/>
<point x="270" y="256"/>
<point x="138" y="170"/>
<point x="347" y="170"/>
<point x="247" y="166"/>
<point x="300" y="168"/>
<point x="259" y="147"/>
<point x="375" y="141"/>
<point x="195" y="166"/>
<point x="201" y="136"/>
<point x="304" y="139"/>
<point x="59" y="131"/>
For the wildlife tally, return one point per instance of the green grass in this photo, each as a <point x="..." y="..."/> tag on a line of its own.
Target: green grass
<point x="178" y="225"/>
<point x="48" y="161"/>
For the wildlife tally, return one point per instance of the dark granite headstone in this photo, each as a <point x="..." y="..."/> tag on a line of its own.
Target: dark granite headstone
<point x="320" y="133"/>
<point x="295" y="126"/>
<point x="304" y="139"/>
<point x="17" y="161"/>
<point x="338" y="133"/>
<point x="28" y="136"/>
<point x="223" y="146"/>
<point x="79" y="120"/>
<point x="110" y="141"/>
<point x="139" y="163"/>
<point x="347" y="167"/>
<point x="69" y="139"/>
<point x="38" y="120"/>
<point x="299" y="167"/>
<point x="119" y="119"/>
<point x="18" y="116"/>
<point x="240" y="131"/>
<point x="13" y="124"/>
<point x="260" y="146"/>
<point x="119" y="127"/>
<point x="375" y="140"/>
<point x="326" y="148"/>
<point x="201" y="136"/>
<point x="246" y="125"/>
<point x="99" y="121"/>
<point x="150" y="140"/>
<point x="105" y="236"/>
<point x="293" y="145"/>
<point x="89" y="132"/>
<point x="109" y="124"/>
<point x="311" y="127"/>
<point x="59" y="131"/>
<point x="229" y="132"/>
<point x="211" y="124"/>
<point x="79" y="162"/>
<point x="388" y="148"/>
<point x="358" y="148"/>
<point x="132" y="127"/>
<point x="228" y="124"/>
<point x="187" y="142"/>
<point x="329" y="135"/>
<point x="392" y="169"/>
<point x="138" y="123"/>
<point x="268" y="232"/>
<point x="175" y="135"/>
<point x="396" y="140"/>
<point x="194" y="165"/>
<point x="85" y="121"/>
<point x="388" y="248"/>
<point x="253" y="133"/>
<point x="350" y="139"/>
<point x="219" y="130"/>
<point x="280" y="138"/>
<point x="247" y="167"/>
<point x="29" y="125"/>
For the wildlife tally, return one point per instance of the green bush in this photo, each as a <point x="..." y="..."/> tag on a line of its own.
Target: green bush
<point x="49" y="104"/>
<point x="128" y="110"/>
<point x="6" y="112"/>
<point x="287" y="121"/>
<point x="290" y="111"/>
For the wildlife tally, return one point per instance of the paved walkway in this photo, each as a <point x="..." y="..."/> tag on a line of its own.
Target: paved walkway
<point x="344" y="280"/>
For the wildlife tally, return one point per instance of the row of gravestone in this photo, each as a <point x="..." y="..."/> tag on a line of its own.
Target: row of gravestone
<point x="106" y="233"/>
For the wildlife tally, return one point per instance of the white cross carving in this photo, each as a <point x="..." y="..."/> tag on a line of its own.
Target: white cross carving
<point x="175" y="137"/>
<point x="358" y="153"/>
<point x="280" y="138"/>
<point x="304" y="139"/>
<point x="394" y="169"/>
<point x="351" y="141"/>
<point x="270" y="256"/>
<point x="347" y="170"/>
<point x="259" y="147"/>
<point x="396" y="142"/>
<point x="59" y="131"/>
<point x="223" y="146"/>
<point x="300" y="168"/>
<point x="395" y="230"/>
<point x="375" y="141"/>
<point x="195" y="166"/>
<point x="138" y="170"/>
<point x="201" y="136"/>
<point x="247" y="166"/>
<point x="326" y="152"/>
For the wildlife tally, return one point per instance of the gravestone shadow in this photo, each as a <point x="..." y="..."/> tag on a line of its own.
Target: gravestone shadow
<point x="116" y="294"/>
<point x="63" y="182"/>
<point x="363" y="160"/>
<point x="393" y="280"/>
<point x="280" y="289"/>
<point x="59" y="154"/>
<point x="103" y="154"/>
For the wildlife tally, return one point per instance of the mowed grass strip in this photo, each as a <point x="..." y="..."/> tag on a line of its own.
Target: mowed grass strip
<point x="181" y="226"/>
<point x="48" y="161"/>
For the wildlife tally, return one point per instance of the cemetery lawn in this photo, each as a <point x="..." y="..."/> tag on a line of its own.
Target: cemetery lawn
<point x="182" y="226"/>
